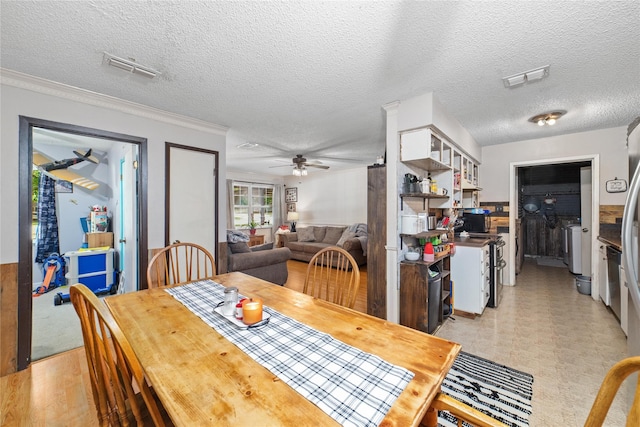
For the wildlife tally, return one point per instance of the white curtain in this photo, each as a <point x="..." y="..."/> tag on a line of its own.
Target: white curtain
<point x="230" y="204"/>
<point x="278" y="205"/>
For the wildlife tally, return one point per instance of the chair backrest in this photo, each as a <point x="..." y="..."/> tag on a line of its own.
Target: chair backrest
<point x="113" y="366"/>
<point x="333" y="275"/>
<point x="180" y="263"/>
<point x="610" y="385"/>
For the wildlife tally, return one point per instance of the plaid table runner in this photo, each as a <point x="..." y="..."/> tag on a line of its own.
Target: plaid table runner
<point x="353" y="387"/>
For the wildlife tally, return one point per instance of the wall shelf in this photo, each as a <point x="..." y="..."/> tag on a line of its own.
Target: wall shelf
<point x="423" y="196"/>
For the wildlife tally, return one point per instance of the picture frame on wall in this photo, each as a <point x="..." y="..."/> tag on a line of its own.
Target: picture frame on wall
<point x="291" y="195"/>
<point x="291" y="207"/>
<point x="63" y="186"/>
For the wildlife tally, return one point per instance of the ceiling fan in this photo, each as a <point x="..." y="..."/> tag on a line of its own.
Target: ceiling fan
<point x="300" y="165"/>
<point x="57" y="169"/>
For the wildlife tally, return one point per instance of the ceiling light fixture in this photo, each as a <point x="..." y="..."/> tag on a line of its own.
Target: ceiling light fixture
<point x="300" y="171"/>
<point x="129" y="65"/>
<point x="547" y="118"/>
<point x="527" y="76"/>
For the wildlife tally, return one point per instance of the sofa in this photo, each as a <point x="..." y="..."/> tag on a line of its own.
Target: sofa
<point x="305" y="242"/>
<point x="263" y="261"/>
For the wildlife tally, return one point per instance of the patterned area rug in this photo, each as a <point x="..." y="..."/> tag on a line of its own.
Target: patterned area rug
<point x="498" y="391"/>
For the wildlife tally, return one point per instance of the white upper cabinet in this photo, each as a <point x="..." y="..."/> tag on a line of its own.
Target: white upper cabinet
<point x="426" y="150"/>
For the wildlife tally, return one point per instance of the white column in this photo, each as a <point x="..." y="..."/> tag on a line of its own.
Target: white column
<point x="393" y="149"/>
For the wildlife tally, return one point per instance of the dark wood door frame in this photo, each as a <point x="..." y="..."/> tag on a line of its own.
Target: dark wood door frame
<point x="25" y="255"/>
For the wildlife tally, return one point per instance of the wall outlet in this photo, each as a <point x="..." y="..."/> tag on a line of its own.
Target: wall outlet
<point x="499" y="208"/>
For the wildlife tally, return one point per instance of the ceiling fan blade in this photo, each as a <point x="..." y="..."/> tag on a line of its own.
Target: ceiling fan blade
<point x="280" y="166"/>
<point x="311" y="165"/>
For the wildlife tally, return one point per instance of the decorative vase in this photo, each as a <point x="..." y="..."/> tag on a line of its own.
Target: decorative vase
<point x="252" y="231"/>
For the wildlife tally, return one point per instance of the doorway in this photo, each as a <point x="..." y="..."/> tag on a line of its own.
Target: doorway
<point x="518" y="212"/>
<point x="192" y="180"/>
<point x="27" y="127"/>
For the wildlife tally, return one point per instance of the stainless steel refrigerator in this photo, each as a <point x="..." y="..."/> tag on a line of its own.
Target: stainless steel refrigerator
<point x="630" y="240"/>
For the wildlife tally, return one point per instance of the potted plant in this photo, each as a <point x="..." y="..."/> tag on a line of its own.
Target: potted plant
<point x="252" y="227"/>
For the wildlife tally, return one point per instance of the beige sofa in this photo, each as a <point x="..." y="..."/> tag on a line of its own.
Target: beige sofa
<point x="307" y="241"/>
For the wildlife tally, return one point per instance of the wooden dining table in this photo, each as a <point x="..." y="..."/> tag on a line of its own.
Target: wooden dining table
<point x="204" y="379"/>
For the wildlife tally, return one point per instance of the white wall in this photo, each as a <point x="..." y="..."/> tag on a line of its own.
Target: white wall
<point x="610" y="144"/>
<point x="22" y="95"/>
<point x="332" y="197"/>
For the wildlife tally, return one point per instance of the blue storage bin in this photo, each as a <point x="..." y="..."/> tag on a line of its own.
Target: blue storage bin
<point x="88" y="262"/>
<point x="98" y="282"/>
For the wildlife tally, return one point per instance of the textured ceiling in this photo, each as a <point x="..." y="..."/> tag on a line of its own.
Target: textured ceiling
<point x="311" y="77"/>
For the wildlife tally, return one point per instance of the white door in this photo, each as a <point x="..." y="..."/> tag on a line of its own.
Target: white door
<point x="192" y="196"/>
<point x="128" y="242"/>
<point x="585" y="219"/>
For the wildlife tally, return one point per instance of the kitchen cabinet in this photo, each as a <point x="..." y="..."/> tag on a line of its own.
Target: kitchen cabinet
<point x="427" y="152"/>
<point x="603" y="276"/>
<point x="425" y="303"/>
<point x="470" y="276"/>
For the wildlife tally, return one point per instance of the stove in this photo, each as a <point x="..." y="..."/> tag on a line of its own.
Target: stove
<point x="497" y="263"/>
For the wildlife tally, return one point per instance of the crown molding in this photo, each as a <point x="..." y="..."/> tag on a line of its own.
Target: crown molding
<point x="60" y="90"/>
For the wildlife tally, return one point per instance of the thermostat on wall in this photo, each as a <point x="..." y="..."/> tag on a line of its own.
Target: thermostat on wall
<point x="616" y="185"/>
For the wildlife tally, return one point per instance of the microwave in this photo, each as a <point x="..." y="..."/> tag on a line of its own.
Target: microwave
<point x="476" y="222"/>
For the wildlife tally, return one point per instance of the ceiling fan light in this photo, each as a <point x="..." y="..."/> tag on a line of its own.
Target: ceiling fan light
<point x="549" y="118"/>
<point x="304" y="171"/>
<point x="297" y="172"/>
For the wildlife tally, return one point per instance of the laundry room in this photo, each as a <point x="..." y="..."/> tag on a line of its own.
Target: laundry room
<point x="550" y="203"/>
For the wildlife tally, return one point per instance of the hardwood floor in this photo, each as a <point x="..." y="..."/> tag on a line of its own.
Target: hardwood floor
<point x="298" y="270"/>
<point x="56" y="391"/>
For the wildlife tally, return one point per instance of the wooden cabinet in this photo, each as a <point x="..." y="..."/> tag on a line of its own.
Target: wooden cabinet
<point x="256" y="239"/>
<point x="425" y="301"/>
<point x="470" y="275"/>
<point x="376" y="241"/>
<point x="98" y="240"/>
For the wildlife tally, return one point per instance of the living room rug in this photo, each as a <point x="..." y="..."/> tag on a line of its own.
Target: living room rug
<point x="501" y="392"/>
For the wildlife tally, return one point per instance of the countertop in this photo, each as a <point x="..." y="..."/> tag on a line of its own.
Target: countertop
<point x="611" y="234"/>
<point x="475" y="242"/>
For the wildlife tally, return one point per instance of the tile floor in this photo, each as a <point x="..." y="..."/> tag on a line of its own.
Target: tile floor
<point x="566" y="340"/>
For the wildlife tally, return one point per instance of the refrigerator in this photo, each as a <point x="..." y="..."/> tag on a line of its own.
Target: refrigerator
<point x="630" y="243"/>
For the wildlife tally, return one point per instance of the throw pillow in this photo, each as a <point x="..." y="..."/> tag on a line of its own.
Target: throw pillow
<point x="235" y="236"/>
<point x="333" y="235"/>
<point x="346" y="235"/>
<point x="238" y="248"/>
<point x="263" y="247"/>
<point x="305" y="234"/>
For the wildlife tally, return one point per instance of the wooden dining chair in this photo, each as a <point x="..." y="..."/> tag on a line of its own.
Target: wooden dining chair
<point x="460" y="410"/>
<point x="120" y="391"/>
<point x="608" y="389"/>
<point x="180" y="263"/>
<point x="333" y="275"/>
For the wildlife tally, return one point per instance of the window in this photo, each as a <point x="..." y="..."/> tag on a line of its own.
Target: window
<point x="252" y="203"/>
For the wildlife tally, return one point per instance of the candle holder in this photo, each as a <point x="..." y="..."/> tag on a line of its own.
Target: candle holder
<point x="251" y="311"/>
